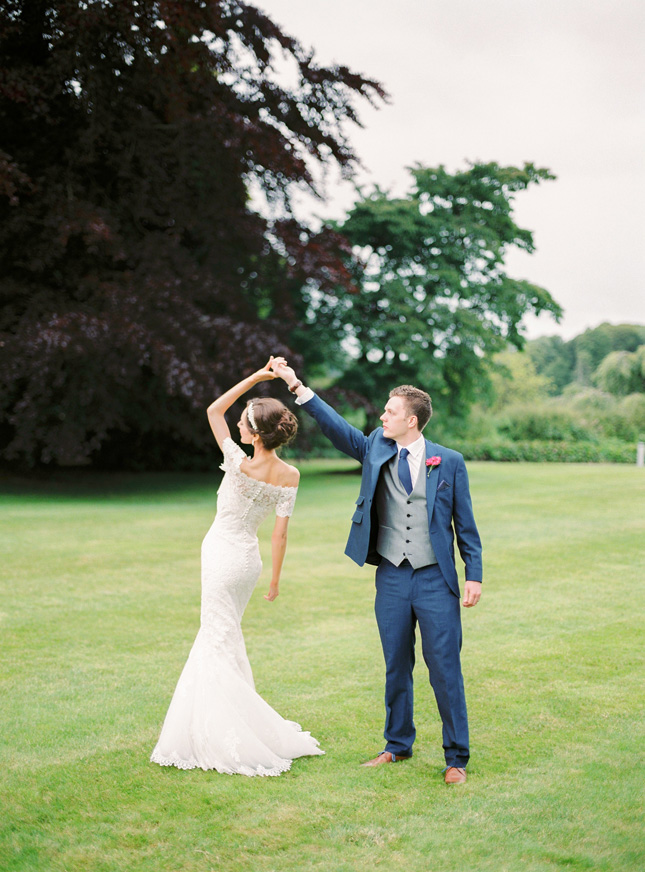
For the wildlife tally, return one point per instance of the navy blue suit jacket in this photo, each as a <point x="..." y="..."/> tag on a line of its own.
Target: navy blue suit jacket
<point x="447" y="495"/>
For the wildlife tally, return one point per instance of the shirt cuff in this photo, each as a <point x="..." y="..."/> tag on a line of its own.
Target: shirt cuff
<point x="304" y="397"/>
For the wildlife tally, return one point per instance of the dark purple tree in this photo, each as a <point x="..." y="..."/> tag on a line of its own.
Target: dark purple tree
<point x="137" y="279"/>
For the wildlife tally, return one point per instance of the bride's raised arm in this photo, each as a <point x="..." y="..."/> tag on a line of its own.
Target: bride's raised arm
<point x="217" y="410"/>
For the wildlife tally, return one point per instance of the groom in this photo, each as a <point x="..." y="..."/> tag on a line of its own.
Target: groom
<point x="413" y="492"/>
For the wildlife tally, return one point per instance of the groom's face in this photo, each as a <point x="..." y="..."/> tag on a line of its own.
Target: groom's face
<point x="396" y="419"/>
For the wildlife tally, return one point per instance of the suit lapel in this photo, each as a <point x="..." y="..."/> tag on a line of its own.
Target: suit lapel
<point x="432" y="477"/>
<point x="384" y="450"/>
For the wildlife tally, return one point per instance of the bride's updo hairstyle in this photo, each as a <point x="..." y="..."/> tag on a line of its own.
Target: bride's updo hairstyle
<point x="272" y="421"/>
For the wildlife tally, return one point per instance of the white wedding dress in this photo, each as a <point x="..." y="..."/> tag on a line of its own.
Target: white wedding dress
<point x="216" y="720"/>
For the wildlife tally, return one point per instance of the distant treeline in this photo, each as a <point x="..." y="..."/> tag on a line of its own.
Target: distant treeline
<point x="610" y="357"/>
<point x="576" y="401"/>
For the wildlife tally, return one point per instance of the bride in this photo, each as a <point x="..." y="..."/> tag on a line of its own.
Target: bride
<point x="216" y="720"/>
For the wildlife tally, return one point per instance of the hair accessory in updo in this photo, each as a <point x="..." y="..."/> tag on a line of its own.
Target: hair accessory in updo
<point x="250" y="416"/>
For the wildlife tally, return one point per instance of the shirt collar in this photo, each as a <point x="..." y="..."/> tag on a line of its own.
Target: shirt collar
<point x="415" y="448"/>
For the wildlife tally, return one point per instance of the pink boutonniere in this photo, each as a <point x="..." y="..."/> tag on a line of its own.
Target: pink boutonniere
<point x="431" y="462"/>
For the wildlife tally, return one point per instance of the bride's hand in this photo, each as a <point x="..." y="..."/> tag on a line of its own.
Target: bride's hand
<point x="277" y="362"/>
<point x="273" y="592"/>
<point x="266" y="373"/>
<point x="282" y="369"/>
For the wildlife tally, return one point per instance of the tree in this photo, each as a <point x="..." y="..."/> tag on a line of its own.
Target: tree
<point x="138" y="276"/>
<point x="516" y="380"/>
<point x="554" y="359"/>
<point x="435" y="299"/>
<point x="593" y="346"/>
<point x="622" y="372"/>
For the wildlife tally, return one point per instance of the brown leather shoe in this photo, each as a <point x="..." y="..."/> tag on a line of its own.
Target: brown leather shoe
<point x="384" y="757"/>
<point x="455" y="775"/>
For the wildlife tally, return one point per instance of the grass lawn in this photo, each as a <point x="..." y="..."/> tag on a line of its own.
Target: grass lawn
<point x="100" y="606"/>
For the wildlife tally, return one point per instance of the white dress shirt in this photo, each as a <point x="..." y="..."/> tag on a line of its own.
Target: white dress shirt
<point x="304" y="397"/>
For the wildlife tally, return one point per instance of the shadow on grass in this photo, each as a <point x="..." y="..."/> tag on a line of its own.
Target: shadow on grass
<point x="79" y="483"/>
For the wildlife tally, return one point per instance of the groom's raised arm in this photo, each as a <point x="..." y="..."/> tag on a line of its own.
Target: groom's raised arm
<point x="342" y="435"/>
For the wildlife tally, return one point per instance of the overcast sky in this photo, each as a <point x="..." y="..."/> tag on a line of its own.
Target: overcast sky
<point x="557" y="82"/>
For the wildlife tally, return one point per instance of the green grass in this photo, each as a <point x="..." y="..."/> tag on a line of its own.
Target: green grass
<point x="99" y="608"/>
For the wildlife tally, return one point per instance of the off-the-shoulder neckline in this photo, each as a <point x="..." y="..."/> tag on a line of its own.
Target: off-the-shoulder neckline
<point x="282" y="487"/>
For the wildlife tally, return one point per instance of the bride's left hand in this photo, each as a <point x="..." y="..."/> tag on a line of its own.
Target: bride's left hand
<point x="266" y="373"/>
<point x="273" y="592"/>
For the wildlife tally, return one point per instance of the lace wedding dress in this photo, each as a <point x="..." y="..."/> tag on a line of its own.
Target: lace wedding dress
<point x="216" y="720"/>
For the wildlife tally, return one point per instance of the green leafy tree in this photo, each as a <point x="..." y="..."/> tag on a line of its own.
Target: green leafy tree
<point x="576" y="361"/>
<point x="632" y="409"/>
<point x="516" y="380"/>
<point x="591" y="347"/>
<point x="622" y="372"/>
<point x="584" y="367"/>
<point x="435" y="297"/>
<point x="554" y="359"/>
<point x="639" y="368"/>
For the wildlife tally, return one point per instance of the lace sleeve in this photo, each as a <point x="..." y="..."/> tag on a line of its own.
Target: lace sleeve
<point x="284" y="508"/>
<point x="233" y="455"/>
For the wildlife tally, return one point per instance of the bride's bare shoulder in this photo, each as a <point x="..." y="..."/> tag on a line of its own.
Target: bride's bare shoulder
<point x="289" y="475"/>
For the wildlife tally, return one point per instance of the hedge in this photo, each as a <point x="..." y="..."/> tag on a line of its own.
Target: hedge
<point x="608" y="451"/>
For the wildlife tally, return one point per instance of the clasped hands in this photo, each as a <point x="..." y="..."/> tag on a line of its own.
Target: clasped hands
<point x="275" y="367"/>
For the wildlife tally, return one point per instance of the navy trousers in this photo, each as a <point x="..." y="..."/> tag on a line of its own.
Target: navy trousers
<point x="405" y="597"/>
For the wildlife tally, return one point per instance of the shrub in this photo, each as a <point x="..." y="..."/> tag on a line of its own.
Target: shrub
<point x="606" y="416"/>
<point x="632" y="410"/>
<point x="541" y="421"/>
<point x="549" y="451"/>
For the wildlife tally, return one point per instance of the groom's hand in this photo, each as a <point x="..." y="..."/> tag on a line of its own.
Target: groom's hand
<point x="283" y="370"/>
<point x="472" y="593"/>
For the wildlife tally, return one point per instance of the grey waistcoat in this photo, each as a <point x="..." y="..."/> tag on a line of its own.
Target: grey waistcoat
<point x="403" y="520"/>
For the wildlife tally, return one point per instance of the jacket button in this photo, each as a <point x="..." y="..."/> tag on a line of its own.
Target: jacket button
<point x="407" y="541"/>
<point x="408" y="516"/>
<point x="408" y="528"/>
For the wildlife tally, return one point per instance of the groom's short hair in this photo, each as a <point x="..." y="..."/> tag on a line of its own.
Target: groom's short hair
<point x="417" y="402"/>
